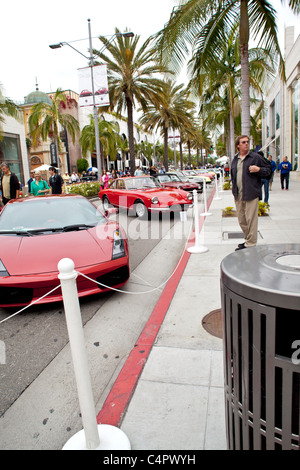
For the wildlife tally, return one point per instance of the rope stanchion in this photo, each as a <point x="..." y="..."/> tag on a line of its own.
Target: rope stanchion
<point x="197" y="248"/>
<point x="93" y="436"/>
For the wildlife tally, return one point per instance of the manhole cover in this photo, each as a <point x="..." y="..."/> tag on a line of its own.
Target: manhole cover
<point x="212" y="323"/>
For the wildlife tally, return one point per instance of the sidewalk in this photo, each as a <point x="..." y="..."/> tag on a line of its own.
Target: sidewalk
<point x="178" y="403"/>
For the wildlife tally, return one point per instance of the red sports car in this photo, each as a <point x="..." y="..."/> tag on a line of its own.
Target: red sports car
<point x="171" y="180"/>
<point x="36" y="233"/>
<point x="143" y="194"/>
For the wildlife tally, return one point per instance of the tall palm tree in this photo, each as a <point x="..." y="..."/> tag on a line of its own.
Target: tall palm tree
<point x="108" y="136"/>
<point x="173" y="111"/>
<point x="199" y="23"/>
<point x="7" y="108"/>
<point x="131" y="78"/>
<point x="222" y="74"/>
<point x="47" y="120"/>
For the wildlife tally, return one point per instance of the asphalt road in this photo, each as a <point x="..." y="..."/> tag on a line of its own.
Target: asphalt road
<point x="36" y="336"/>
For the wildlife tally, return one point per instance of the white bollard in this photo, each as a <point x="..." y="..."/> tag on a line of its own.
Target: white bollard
<point x="197" y="248"/>
<point x="204" y="199"/>
<point x="93" y="436"/>
<point x="222" y="180"/>
<point x="217" y="197"/>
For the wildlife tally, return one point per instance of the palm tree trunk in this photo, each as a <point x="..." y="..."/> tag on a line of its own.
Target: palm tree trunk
<point x="244" y="40"/>
<point x="181" y="155"/>
<point x="130" y="135"/>
<point x="166" y="159"/>
<point x="231" y="137"/>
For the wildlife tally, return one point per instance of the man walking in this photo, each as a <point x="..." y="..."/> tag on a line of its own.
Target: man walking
<point x="285" y="167"/>
<point x="55" y="181"/>
<point x="247" y="170"/>
<point x="9" y="184"/>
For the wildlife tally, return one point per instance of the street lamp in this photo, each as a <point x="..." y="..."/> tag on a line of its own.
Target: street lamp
<point x="91" y="64"/>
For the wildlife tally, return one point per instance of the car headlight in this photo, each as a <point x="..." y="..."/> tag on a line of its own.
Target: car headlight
<point x="190" y="196"/>
<point x="3" y="270"/>
<point x="155" y="200"/>
<point x="118" y="245"/>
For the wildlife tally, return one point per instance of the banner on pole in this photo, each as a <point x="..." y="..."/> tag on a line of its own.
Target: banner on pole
<point x="100" y="86"/>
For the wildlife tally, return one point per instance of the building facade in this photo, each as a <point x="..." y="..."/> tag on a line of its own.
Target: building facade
<point x="280" y="127"/>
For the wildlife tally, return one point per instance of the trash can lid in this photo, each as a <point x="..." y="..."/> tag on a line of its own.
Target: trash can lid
<point x="267" y="274"/>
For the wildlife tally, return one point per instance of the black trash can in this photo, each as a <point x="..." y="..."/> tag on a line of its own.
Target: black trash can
<point x="260" y="289"/>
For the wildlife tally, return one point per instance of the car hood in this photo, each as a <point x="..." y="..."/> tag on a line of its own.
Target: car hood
<point x="163" y="194"/>
<point x="23" y="255"/>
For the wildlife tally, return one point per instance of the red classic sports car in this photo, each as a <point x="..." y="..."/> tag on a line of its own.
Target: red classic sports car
<point x="171" y="180"/>
<point x="143" y="194"/>
<point x="36" y="233"/>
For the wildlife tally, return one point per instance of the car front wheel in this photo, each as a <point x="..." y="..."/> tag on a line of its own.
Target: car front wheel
<point x="106" y="203"/>
<point x="141" y="210"/>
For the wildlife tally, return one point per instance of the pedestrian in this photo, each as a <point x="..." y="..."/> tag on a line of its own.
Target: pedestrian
<point x="247" y="169"/>
<point x="285" y="167"/>
<point x="265" y="183"/>
<point x="39" y="187"/>
<point x="30" y="180"/>
<point x="55" y="181"/>
<point x="9" y="184"/>
<point x="273" y="168"/>
<point x="138" y="171"/>
<point x="105" y="179"/>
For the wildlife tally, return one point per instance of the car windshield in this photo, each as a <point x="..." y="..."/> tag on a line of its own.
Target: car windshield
<point x="141" y="183"/>
<point x="49" y="214"/>
<point x="174" y="178"/>
<point x="190" y="172"/>
<point x="163" y="178"/>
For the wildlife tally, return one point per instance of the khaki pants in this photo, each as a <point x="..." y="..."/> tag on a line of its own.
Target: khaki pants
<point x="247" y="212"/>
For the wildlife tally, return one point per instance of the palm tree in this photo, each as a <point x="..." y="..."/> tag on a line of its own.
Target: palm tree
<point x="174" y="111"/>
<point x="46" y="120"/>
<point x="131" y="78"/>
<point x="108" y="136"/>
<point x="7" y="108"/>
<point x="222" y="82"/>
<point x="200" y="23"/>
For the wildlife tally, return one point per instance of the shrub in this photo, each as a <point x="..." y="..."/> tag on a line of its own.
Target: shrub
<point x="263" y="209"/>
<point x="227" y="185"/>
<point x="85" y="189"/>
<point x="228" y="211"/>
<point x="82" y="165"/>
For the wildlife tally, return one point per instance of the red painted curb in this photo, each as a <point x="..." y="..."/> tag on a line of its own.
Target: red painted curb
<point x="118" y="398"/>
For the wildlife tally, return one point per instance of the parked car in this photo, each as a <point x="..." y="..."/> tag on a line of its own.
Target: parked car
<point x="210" y="174"/>
<point x="37" y="232"/>
<point x="191" y="175"/>
<point x="171" y="180"/>
<point x="142" y="195"/>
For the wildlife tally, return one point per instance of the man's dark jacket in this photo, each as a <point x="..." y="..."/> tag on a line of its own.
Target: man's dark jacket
<point x="251" y="181"/>
<point x="14" y="185"/>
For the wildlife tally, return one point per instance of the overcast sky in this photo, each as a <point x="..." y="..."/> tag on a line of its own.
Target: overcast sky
<point x="27" y="29"/>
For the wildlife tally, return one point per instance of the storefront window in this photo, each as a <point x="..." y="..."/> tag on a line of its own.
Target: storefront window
<point x="10" y="152"/>
<point x="295" y="125"/>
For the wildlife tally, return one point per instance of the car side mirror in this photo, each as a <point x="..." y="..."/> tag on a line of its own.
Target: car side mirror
<point x="111" y="211"/>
